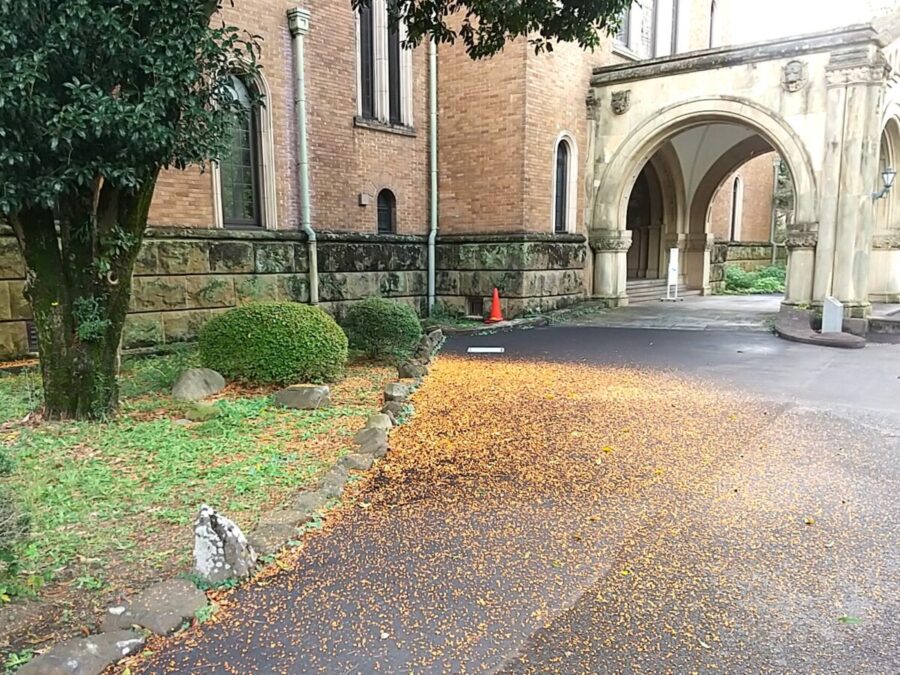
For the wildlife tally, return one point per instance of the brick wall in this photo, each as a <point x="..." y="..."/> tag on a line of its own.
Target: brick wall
<point x="346" y="160"/>
<point x="757" y="178"/>
<point x="185" y="276"/>
<point x="481" y="140"/>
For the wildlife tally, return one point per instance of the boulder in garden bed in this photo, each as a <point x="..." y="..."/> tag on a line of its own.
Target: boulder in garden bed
<point x="221" y="551"/>
<point x="304" y="397"/>
<point x="269" y="539"/>
<point x="393" y="408"/>
<point x="371" y="441"/>
<point x="309" y="502"/>
<point x="397" y="391"/>
<point x="357" y="461"/>
<point x="195" y="384"/>
<point x="334" y="482"/>
<point x="379" y="421"/>
<point x="413" y="369"/>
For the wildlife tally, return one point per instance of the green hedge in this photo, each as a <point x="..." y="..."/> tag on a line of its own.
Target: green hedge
<point x="765" y="280"/>
<point x="382" y="328"/>
<point x="274" y="343"/>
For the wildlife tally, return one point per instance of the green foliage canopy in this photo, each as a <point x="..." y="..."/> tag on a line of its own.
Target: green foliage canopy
<point x="485" y="26"/>
<point x="111" y="90"/>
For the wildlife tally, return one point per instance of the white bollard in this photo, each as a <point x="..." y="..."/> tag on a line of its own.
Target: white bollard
<point x="832" y="316"/>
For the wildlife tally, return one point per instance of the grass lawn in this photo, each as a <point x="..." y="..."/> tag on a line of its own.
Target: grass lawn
<point x="111" y="504"/>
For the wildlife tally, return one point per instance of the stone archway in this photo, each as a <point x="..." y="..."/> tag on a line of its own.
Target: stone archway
<point x="616" y="179"/>
<point x="884" y="269"/>
<point x="644" y="219"/>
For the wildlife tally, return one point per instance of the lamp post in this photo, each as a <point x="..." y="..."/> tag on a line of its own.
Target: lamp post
<point x="887" y="177"/>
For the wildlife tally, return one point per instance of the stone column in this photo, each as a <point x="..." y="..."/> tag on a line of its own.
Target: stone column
<point x="696" y="261"/>
<point x="801" y="247"/>
<point x="610" y="249"/>
<point x="855" y="81"/>
<point x="593" y="106"/>
<point x="653" y="252"/>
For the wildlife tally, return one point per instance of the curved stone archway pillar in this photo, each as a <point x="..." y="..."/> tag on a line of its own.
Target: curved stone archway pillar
<point x="697" y="261"/>
<point x="610" y="248"/>
<point x="855" y="82"/>
<point x="801" y="263"/>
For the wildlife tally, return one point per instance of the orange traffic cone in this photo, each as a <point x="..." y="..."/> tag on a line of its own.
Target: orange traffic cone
<point x="496" y="315"/>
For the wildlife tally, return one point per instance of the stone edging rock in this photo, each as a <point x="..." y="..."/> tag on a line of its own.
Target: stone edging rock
<point x="164" y="607"/>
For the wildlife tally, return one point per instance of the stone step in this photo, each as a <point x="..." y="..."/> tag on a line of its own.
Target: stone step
<point x="654" y="293"/>
<point x="884" y="329"/>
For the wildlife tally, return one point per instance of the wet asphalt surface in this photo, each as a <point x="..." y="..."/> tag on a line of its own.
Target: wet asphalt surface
<point x="603" y="500"/>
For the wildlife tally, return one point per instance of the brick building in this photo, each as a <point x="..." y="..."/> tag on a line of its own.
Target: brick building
<point x="542" y="182"/>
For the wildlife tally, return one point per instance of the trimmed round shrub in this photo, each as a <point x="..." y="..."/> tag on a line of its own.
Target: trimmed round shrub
<point x="382" y="328"/>
<point x="274" y="343"/>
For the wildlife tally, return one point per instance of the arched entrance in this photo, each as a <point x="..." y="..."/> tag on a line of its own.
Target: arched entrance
<point x="644" y="220"/>
<point x="698" y="144"/>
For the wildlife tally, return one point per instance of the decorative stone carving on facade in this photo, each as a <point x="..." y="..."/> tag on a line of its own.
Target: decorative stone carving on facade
<point x="621" y="101"/>
<point x="610" y="240"/>
<point x="889" y="242"/>
<point x="699" y="242"/>
<point x="856" y="66"/>
<point x="794" y="76"/>
<point x="801" y="238"/>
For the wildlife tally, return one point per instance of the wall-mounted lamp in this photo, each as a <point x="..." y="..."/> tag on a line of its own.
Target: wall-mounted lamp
<point x="887" y="177"/>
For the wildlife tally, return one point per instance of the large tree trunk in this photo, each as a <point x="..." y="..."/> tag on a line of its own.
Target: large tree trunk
<point x="78" y="279"/>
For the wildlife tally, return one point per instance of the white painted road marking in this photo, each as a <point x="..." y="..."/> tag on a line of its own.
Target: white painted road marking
<point x="486" y="350"/>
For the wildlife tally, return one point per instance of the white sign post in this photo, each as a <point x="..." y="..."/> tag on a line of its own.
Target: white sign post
<point x="832" y="315"/>
<point x="672" y="281"/>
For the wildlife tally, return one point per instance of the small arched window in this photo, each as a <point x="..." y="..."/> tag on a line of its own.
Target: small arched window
<point x="563" y="169"/>
<point x="387" y="212"/>
<point x="240" y="166"/>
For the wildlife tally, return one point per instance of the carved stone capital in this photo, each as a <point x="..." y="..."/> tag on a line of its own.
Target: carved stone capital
<point x="886" y="242"/>
<point x="699" y="242"/>
<point x="801" y="239"/>
<point x="610" y="240"/>
<point x="856" y="66"/>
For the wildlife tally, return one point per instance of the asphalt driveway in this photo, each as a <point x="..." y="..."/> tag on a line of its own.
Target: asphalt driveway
<point x="602" y="500"/>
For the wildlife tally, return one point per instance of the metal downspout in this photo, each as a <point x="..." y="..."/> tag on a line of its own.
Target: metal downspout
<point x="433" y="160"/>
<point x="298" y="21"/>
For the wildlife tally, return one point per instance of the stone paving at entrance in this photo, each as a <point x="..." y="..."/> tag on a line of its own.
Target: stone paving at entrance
<point x="718" y="312"/>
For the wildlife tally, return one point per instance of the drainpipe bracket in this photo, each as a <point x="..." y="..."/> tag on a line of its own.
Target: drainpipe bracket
<point x="298" y="20"/>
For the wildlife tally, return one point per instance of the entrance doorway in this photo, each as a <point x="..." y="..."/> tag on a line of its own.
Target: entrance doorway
<point x="644" y="221"/>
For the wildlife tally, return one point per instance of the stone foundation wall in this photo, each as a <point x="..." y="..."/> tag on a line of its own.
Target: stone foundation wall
<point x="747" y="255"/>
<point x="754" y="255"/>
<point x="533" y="272"/>
<point x="184" y="277"/>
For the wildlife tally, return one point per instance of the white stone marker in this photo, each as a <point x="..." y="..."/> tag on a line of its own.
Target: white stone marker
<point x="832" y="315"/>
